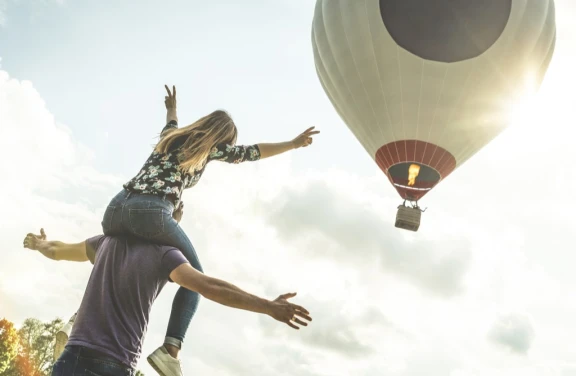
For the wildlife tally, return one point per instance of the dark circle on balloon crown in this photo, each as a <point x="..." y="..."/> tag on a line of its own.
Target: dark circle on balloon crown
<point x="427" y="176"/>
<point x="445" y="30"/>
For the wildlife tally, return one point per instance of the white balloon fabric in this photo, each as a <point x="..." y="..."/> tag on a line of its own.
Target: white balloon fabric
<point x="425" y="84"/>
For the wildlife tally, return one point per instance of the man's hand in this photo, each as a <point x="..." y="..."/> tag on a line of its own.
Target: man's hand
<point x="170" y="99"/>
<point x="54" y="249"/>
<point x="178" y="212"/>
<point x="305" y="138"/>
<point x="32" y="241"/>
<point x="288" y="313"/>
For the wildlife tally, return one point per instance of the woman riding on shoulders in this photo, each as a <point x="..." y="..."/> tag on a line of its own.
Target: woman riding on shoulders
<point x="145" y="205"/>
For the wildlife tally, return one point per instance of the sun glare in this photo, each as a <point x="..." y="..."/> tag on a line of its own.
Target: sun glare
<point x="526" y="109"/>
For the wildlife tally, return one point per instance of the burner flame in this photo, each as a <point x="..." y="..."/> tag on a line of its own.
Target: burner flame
<point x="413" y="172"/>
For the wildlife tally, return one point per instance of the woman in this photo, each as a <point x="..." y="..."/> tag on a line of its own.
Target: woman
<point x="146" y="205"/>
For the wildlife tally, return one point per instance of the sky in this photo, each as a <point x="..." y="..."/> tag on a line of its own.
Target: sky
<point x="485" y="287"/>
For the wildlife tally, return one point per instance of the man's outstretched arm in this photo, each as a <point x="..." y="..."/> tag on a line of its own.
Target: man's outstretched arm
<point x="229" y="295"/>
<point x="56" y="250"/>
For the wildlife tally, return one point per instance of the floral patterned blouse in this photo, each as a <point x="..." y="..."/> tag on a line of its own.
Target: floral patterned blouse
<point x="161" y="176"/>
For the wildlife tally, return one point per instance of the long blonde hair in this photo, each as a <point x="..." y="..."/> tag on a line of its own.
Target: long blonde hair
<point x="198" y="139"/>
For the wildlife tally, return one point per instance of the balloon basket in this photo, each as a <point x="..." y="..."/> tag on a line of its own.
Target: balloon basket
<point x="408" y="218"/>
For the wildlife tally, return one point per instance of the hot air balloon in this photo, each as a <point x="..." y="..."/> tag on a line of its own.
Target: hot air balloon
<point x="425" y="84"/>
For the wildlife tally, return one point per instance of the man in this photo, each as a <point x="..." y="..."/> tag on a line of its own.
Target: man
<point x="128" y="275"/>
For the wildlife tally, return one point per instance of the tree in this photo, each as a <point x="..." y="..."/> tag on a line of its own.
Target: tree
<point x="20" y="366"/>
<point x="28" y="351"/>
<point x="35" y="348"/>
<point x="8" y="344"/>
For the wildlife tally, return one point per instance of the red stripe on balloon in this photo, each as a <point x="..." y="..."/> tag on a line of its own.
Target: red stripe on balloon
<point x="423" y="153"/>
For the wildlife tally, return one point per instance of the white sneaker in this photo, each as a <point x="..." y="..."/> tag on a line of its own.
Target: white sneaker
<point x="164" y="363"/>
<point x="62" y="337"/>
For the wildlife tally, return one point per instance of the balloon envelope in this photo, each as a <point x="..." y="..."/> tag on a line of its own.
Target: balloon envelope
<point x="425" y="84"/>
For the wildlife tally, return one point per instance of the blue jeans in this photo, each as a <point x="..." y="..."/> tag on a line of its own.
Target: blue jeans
<point x="81" y="361"/>
<point x="150" y="217"/>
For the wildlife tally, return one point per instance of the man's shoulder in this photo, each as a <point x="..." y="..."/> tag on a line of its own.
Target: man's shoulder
<point x="166" y="248"/>
<point x="93" y="244"/>
<point x="133" y="242"/>
<point x="151" y="257"/>
<point x="128" y="242"/>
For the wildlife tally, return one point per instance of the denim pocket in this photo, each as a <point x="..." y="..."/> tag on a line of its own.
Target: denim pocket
<point x="147" y="223"/>
<point x="102" y="367"/>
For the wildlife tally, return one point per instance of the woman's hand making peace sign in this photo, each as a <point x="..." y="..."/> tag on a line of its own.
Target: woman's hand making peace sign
<point x="170" y="99"/>
<point x="170" y="102"/>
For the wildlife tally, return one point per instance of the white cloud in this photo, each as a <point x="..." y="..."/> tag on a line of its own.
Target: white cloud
<point x="40" y="151"/>
<point x="357" y="233"/>
<point x="514" y="331"/>
<point x="45" y="183"/>
<point x="344" y="333"/>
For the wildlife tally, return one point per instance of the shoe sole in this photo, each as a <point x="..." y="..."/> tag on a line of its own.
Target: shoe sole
<point x="156" y="366"/>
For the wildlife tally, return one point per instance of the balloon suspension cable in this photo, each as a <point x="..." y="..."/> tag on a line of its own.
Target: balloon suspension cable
<point x="413" y="205"/>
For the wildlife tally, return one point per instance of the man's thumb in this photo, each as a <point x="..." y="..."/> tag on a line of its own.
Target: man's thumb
<point x="288" y="295"/>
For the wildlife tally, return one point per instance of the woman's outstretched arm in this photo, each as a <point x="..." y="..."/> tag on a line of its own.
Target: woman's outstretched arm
<point x="239" y="154"/>
<point x="271" y="149"/>
<point x="302" y="140"/>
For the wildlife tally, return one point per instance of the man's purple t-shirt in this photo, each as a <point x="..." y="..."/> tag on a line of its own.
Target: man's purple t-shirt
<point x="127" y="277"/>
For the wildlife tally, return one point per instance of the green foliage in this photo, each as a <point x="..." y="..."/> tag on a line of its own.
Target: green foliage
<point x="8" y="344"/>
<point x="34" y="349"/>
<point x="21" y="366"/>
<point x="28" y="351"/>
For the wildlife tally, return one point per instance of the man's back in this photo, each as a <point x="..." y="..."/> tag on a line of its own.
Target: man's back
<point x="127" y="277"/>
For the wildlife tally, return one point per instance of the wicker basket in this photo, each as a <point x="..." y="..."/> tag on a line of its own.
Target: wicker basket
<point x="408" y="218"/>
